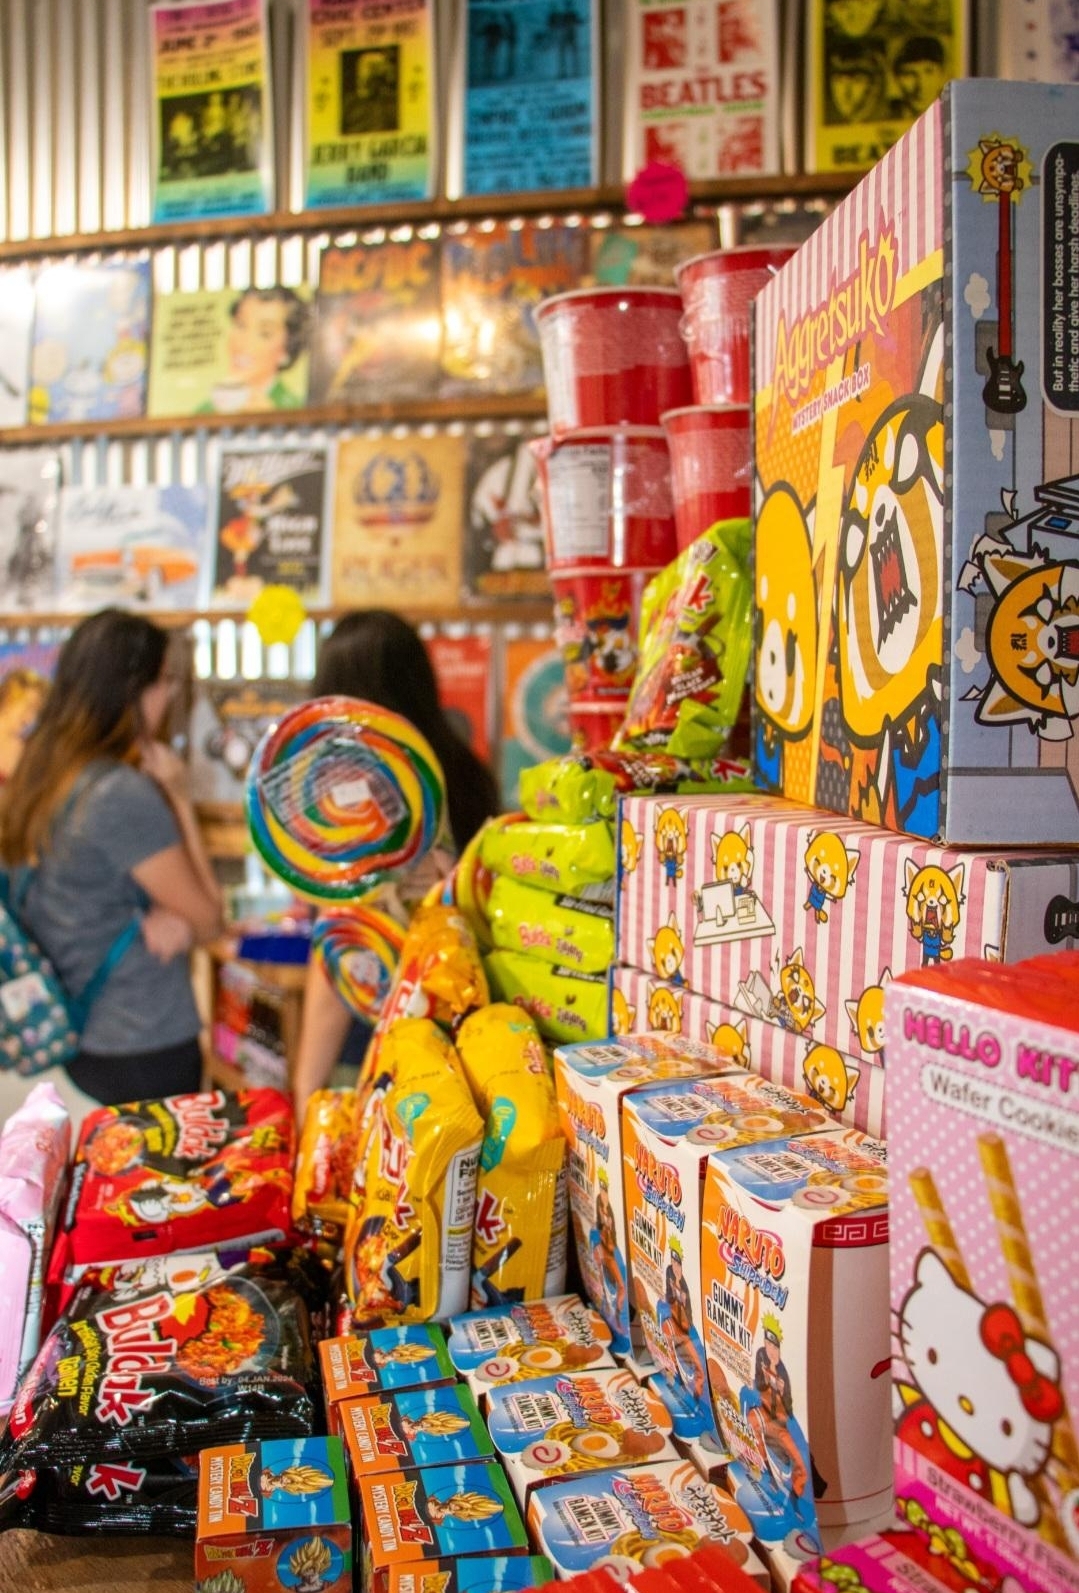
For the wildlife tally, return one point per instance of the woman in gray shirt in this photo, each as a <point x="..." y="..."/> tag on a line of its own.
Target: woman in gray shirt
<point x="100" y="811"/>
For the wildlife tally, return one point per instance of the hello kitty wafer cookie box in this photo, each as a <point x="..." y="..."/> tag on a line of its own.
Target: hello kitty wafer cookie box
<point x="590" y="1082"/>
<point x="984" y="1171"/>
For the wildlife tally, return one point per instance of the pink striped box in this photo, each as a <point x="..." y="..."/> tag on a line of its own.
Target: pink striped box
<point x="801" y="919"/>
<point x="916" y="481"/>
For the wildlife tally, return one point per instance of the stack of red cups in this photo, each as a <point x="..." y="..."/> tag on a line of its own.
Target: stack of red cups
<point x="710" y="444"/>
<point x="614" y="360"/>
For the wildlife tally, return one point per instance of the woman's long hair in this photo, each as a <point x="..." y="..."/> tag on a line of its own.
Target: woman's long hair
<point x="378" y="656"/>
<point x="91" y="712"/>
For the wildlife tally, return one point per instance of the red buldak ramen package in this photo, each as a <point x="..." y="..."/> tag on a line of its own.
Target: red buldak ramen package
<point x="150" y="1495"/>
<point x="153" y="1367"/>
<point x="189" y="1172"/>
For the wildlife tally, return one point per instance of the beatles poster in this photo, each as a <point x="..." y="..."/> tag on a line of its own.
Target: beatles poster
<point x="874" y="67"/>
<point x="702" y="89"/>
<point x="212" y="126"/>
<point x="371" y="129"/>
<point x="527" y="100"/>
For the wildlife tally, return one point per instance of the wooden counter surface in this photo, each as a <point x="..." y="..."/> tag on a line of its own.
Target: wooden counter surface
<point x="36" y="1562"/>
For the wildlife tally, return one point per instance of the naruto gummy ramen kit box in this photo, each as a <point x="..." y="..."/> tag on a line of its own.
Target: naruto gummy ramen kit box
<point x="916" y="396"/>
<point x="189" y="1172"/>
<point x="434" y="1514"/>
<point x="794" y="1284"/>
<point x="385" y="1360"/>
<point x="590" y="1081"/>
<point x="799" y="918"/>
<point x="983" y="1074"/>
<point x="273" y="1516"/>
<point x="420" y="1427"/>
<point x="516" y="1343"/>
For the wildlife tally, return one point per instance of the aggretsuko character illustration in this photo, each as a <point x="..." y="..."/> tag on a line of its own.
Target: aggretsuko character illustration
<point x="731" y="1038"/>
<point x="828" y="1078"/>
<point x="1031" y="641"/>
<point x="664" y="1010"/>
<point x="867" y="1015"/>
<point x="795" y="1006"/>
<point x="671" y="842"/>
<point x="732" y="858"/>
<point x="934" y="898"/>
<point x="831" y="868"/>
<point x="622" y="1014"/>
<point x="889" y="602"/>
<point x="786" y="630"/>
<point x="982" y="1395"/>
<point x="668" y="951"/>
<point x="630" y="842"/>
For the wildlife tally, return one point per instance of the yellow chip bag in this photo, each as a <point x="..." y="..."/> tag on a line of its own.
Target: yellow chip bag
<point x="424" y="1048"/>
<point x="519" y="1242"/>
<point x="320" y="1192"/>
<point x="408" y="1240"/>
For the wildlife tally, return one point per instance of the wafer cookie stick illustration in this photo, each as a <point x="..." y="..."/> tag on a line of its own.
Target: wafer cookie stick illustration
<point x="937" y="1226"/>
<point x="1026" y="1291"/>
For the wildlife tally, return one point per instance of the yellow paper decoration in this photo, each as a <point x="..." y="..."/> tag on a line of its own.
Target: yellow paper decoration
<point x="277" y="614"/>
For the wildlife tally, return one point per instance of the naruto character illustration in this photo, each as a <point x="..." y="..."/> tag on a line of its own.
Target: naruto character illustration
<point x="786" y="631"/>
<point x="1030" y="643"/>
<point x="610" y="1264"/>
<point x="691" y="1404"/>
<point x="934" y="902"/>
<point x="888" y="620"/>
<point x="671" y="841"/>
<point x="781" y="1490"/>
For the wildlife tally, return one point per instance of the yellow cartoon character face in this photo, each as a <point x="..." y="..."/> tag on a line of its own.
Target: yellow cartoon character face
<point x="630" y="842"/>
<point x="867" y="1015"/>
<point x="732" y="856"/>
<point x="671" y="841"/>
<point x="786" y="616"/>
<point x="668" y="950"/>
<point x="889" y="589"/>
<point x="731" y="1038"/>
<point x="796" y="1006"/>
<point x="622" y="1014"/>
<point x="830" y="868"/>
<point x="933" y="903"/>
<point x="664" y="1010"/>
<point x="1032" y="643"/>
<point x="829" y="1079"/>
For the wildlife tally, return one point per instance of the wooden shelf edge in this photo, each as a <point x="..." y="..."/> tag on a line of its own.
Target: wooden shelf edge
<point x="527" y="612"/>
<point x="365" y="218"/>
<point x="393" y="412"/>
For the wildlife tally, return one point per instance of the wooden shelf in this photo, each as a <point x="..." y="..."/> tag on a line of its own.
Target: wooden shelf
<point x="364" y="218"/>
<point x="394" y="412"/>
<point x="530" y="611"/>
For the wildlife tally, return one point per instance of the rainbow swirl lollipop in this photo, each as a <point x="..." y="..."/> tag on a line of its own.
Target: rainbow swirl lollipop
<point x="359" y="949"/>
<point x="340" y="793"/>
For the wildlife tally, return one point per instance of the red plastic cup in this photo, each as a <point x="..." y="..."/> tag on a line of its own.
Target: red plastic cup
<point x="597" y="622"/>
<point x="605" y="496"/>
<point x="711" y="466"/>
<point x="613" y="356"/>
<point x="717" y="290"/>
<point x="593" y="726"/>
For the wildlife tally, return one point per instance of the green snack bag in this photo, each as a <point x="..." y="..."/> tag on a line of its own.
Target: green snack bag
<point x="564" y="1004"/>
<point x="555" y="857"/>
<point x="558" y="929"/>
<point x="696" y="641"/>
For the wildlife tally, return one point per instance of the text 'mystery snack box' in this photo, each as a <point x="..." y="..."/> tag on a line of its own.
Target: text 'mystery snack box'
<point x="916" y="393"/>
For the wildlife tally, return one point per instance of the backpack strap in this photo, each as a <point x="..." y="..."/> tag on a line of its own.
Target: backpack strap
<point x="109" y="963"/>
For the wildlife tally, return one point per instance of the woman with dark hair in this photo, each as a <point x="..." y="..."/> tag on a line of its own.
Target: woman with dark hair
<point x="266" y="336"/>
<point x="379" y="657"/>
<point x="98" y="811"/>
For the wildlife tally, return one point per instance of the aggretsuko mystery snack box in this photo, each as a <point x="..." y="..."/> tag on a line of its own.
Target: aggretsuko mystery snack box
<point x="668" y="1131"/>
<point x="582" y="1421"/>
<point x="590" y="1082"/>
<point x="626" y="1521"/>
<point x="439" y="1513"/>
<point x="916" y="371"/>
<point x="984" y="1169"/>
<point x="420" y="1427"/>
<point x="515" y="1343"/>
<point x="800" y="918"/>
<point x="794" y="1262"/>
<point x="850" y="1089"/>
<point x="492" y="1574"/>
<point x="382" y="1361"/>
<point x="274" y="1515"/>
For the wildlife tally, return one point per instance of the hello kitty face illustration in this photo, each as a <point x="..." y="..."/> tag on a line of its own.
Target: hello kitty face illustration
<point x="991" y="1388"/>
